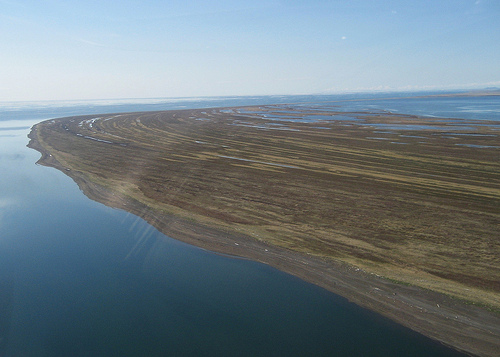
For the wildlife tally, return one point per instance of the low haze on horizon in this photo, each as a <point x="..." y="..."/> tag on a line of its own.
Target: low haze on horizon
<point x="64" y="50"/>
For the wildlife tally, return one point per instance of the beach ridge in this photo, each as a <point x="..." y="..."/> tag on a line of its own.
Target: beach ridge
<point x="456" y="323"/>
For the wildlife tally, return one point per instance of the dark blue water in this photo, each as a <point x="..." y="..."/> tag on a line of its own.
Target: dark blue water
<point x="81" y="279"/>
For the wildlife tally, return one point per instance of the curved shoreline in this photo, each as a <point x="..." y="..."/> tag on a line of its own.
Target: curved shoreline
<point x="465" y="327"/>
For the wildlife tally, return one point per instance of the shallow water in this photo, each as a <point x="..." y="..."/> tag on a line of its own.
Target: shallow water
<point x="80" y="279"/>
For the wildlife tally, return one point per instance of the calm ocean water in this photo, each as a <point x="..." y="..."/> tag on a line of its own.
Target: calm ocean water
<point x="80" y="279"/>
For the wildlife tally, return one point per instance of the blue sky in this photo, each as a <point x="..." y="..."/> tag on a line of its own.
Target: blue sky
<point x="139" y="49"/>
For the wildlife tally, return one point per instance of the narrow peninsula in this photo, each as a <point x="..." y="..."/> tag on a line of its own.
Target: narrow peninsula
<point x="398" y="213"/>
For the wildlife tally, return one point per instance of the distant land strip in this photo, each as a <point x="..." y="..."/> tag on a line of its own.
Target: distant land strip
<point x="398" y="213"/>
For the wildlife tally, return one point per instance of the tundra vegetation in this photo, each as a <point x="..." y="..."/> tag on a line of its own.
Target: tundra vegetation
<point x="409" y="198"/>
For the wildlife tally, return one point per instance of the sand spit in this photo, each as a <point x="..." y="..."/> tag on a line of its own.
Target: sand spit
<point x="345" y="261"/>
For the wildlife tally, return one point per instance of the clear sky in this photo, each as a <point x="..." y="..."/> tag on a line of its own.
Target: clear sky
<point x="99" y="49"/>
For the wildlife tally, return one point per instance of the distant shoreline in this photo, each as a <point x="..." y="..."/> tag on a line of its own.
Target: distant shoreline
<point x="430" y="313"/>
